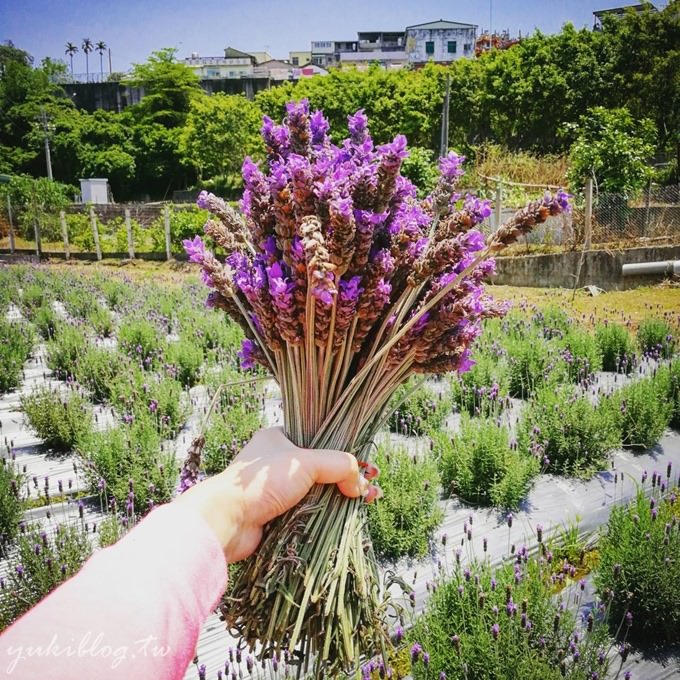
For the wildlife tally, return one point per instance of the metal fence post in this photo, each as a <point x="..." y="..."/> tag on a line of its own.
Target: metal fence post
<point x="588" y="229"/>
<point x="499" y="204"/>
<point x="168" y="253"/>
<point x="648" y="202"/>
<point x="64" y="233"/>
<point x="128" y="228"/>
<point x="11" y="225"/>
<point x="95" y="233"/>
<point x="36" y="231"/>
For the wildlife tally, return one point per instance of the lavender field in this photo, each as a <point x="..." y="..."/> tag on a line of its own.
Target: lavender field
<point x="529" y="526"/>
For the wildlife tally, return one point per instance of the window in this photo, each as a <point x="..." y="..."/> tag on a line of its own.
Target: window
<point x="296" y="61"/>
<point x="452" y="46"/>
<point x="467" y="47"/>
<point x="429" y="47"/>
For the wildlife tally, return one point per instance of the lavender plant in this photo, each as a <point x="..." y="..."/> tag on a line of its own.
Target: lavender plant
<point x="345" y="285"/>
<point x="640" y="565"/>
<point x="482" y="465"/>
<point x="41" y="563"/>
<point x="656" y="338"/>
<point x="11" y="503"/>
<point x="617" y="347"/>
<point x="404" y="522"/>
<point x="59" y="419"/>
<point x="14" y="350"/>
<point x="505" y="624"/>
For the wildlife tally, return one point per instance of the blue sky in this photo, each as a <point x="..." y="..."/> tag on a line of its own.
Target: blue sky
<point x="134" y="28"/>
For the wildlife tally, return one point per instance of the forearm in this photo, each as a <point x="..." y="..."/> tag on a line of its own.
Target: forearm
<point x="133" y="611"/>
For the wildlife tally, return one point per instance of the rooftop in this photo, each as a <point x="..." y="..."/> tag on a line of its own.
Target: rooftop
<point x="442" y="24"/>
<point x="644" y="7"/>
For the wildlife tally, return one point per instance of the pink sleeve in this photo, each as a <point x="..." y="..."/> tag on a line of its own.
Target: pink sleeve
<point x="133" y="611"/>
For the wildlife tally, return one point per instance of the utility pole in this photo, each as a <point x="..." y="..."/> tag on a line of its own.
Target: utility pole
<point x="48" y="156"/>
<point x="444" y="141"/>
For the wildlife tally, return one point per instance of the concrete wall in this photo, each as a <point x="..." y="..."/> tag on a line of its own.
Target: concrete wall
<point x="600" y="268"/>
<point x="416" y="39"/>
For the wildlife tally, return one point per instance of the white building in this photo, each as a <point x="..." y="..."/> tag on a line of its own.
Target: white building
<point x="440" y="41"/>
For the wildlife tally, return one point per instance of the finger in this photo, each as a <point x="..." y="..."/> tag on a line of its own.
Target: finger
<point x="337" y="467"/>
<point x="370" y="471"/>
<point x="374" y="493"/>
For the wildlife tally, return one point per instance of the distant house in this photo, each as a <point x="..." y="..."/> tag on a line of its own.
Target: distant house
<point x="275" y="69"/>
<point x="385" y="48"/>
<point x="327" y="53"/>
<point x="309" y="70"/>
<point x="619" y="12"/>
<point x="440" y="41"/>
<point x="234" y="64"/>
<point x="261" y="57"/>
<point x="300" y="58"/>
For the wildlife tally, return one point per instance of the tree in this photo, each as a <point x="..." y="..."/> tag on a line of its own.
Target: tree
<point x="101" y="48"/>
<point x="87" y="47"/>
<point x="219" y="131"/>
<point x="169" y="88"/>
<point x="612" y="148"/>
<point x="71" y="50"/>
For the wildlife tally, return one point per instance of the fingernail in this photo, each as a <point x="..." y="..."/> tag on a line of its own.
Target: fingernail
<point x="374" y="493"/>
<point x="371" y="471"/>
<point x="364" y="486"/>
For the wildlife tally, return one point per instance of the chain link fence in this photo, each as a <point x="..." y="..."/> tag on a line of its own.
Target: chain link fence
<point x="149" y="230"/>
<point x="653" y="217"/>
<point x="156" y="230"/>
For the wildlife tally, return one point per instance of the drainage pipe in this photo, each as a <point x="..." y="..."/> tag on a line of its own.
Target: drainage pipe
<point x="666" y="268"/>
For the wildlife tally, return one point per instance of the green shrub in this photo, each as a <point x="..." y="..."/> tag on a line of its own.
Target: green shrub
<point x="80" y="303"/>
<point x="552" y="322"/>
<point x="655" y="337"/>
<point x="419" y="412"/>
<point x="45" y="320"/>
<point x="674" y="392"/>
<point x="97" y="369"/>
<point x="480" y="465"/>
<point x="580" y="354"/>
<point x="80" y="231"/>
<point x="102" y="322"/>
<point x="42" y="562"/>
<point x="505" y="624"/>
<point x="139" y="395"/>
<point x="228" y="432"/>
<point x="642" y="410"/>
<point x="111" y="529"/>
<point x="15" y="348"/>
<point x="640" y="565"/>
<point x="59" y="420"/>
<point x="11" y="506"/>
<point x="616" y="346"/>
<point x="141" y="340"/>
<point x="116" y="293"/>
<point x="186" y="358"/>
<point x="562" y="426"/>
<point x="483" y="390"/>
<point x="403" y="521"/>
<point x="64" y="349"/>
<point x="129" y="459"/>
<point x="34" y="296"/>
<point x="530" y="364"/>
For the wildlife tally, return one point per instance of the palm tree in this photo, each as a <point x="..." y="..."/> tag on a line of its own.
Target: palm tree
<point x="71" y="49"/>
<point x="101" y="48"/>
<point x="87" y="47"/>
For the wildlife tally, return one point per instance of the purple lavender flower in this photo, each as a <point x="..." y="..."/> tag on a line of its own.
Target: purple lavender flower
<point x="416" y="650"/>
<point x="319" y="127"/>
<point x="247" y="354"/>
<point x="451" y="166"/>
<point x="358" y="127"/>
<point x="495" y="631"/>
<point x="195" y="248"/>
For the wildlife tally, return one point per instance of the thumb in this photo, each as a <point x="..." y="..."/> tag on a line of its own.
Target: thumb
<point x="337" y="467"/>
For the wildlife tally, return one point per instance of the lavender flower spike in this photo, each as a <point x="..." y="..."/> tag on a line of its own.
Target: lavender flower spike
<point x="451" y="166"/>
<point x="195" y="248"/>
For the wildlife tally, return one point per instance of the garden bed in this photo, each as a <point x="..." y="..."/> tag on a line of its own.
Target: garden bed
<point x="165" y="394"/>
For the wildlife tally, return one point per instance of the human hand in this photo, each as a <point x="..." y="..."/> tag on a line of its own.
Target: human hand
<point x="269" y="476"/>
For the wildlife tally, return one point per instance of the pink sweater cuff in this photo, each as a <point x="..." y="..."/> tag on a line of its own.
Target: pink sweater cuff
<point x="133" y="611"/>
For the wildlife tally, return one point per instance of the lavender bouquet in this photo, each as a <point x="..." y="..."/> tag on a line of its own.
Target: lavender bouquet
<point x="344" y="285"/>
